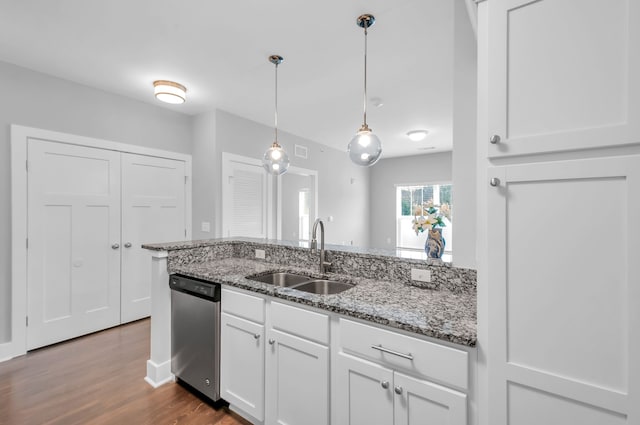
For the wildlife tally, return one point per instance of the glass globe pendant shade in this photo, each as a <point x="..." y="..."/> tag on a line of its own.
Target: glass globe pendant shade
<point x="365" y="148"/>
<point x="275" y="160"/>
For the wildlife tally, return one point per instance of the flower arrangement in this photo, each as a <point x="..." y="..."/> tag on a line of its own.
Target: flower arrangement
<point x="429" y="216"/>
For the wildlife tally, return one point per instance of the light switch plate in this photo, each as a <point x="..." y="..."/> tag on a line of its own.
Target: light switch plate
<point x="260" y="254"/>
<point x="421" y="275"/>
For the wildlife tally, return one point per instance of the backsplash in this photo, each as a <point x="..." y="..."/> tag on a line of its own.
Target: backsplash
<point x="358" y="264"/>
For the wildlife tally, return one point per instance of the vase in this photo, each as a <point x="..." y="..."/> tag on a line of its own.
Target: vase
<point x="434" y="246"/>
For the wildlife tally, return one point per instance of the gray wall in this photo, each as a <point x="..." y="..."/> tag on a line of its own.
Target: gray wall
<point x="464" y="138"/>
<point x="36" y="100"/>
<point x="343" y="188"/>
<point x="386" y="175"/>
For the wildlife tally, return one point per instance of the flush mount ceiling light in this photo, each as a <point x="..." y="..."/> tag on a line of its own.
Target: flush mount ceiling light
<point x="417" y="135"/>
<point x="365" y="148"/>
<point x="276" y="160"/>
<point x="169" y="92"/>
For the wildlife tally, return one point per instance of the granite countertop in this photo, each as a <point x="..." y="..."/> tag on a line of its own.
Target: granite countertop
<point x="441" y="314"/>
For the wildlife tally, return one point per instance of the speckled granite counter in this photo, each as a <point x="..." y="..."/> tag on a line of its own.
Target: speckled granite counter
<point x="446" y="311"/>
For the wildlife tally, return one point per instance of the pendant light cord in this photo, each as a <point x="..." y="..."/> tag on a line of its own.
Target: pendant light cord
<point x="365" y="75"/>
<point x="276" y="107"/>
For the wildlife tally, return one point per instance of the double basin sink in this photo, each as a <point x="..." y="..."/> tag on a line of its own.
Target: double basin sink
<point x="303" y="283"/>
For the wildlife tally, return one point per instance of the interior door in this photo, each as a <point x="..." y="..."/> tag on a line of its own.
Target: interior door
<point x="246" y="203"/>
<point x="73" y="241"/>
<point x="153" y="211"/>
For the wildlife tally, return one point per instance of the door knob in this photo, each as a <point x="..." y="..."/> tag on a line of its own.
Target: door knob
<point x="127" y="245"/>
<point x="495" y="139"/>
<point x="115" y="246"/>
<point x="494" y="182"/>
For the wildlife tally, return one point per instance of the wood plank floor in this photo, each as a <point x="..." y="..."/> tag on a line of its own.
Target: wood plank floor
<point x="98" y="379"/>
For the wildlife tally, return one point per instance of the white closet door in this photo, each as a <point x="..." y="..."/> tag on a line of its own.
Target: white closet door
<point x="74" y="235"/>
<point x="245" y="198"/>
<point x="153" y="210"/>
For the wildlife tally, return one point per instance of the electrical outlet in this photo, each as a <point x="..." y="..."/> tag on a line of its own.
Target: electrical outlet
<point x="421" y="275"/>
<point x="260" y="254"/>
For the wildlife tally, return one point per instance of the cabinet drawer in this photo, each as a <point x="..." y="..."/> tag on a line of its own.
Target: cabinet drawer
<point x="424" y="358"/>
<point x="300" y="322"/>
<point x="243" y="305"/>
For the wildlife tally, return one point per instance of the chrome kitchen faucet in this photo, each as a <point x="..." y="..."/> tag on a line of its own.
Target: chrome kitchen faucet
<point x="324" y="266"/>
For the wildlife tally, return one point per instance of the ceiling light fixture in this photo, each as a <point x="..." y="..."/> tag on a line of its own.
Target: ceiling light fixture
<point x="276" y="160"/>
<point x="365" y="148"/>
<point x="417" y="135"/>
<point x="169" y="92"/>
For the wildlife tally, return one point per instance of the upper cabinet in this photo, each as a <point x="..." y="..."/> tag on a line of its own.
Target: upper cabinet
<point x="560" y="75"/>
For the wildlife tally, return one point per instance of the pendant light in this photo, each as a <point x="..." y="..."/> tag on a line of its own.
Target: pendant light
<point x="276" y="160"/>
<point x="365" y="147"/>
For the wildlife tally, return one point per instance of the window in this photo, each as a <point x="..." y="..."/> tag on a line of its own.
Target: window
<point x="409" y="197"/>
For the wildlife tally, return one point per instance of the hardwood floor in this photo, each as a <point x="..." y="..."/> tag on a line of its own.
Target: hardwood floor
<point x="98" y="379"/>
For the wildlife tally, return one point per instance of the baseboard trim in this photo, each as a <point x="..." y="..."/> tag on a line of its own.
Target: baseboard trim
<point x="158" y="374"/>
<point x="6" y="352"/>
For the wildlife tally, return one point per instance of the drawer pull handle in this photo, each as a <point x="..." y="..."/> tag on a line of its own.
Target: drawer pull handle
<point x="256" y="336"/>
<point x="272" y="341"/>
<point x="395" y="353"/>
<point x="384" y="384"/>
<point x="398" y="390"/>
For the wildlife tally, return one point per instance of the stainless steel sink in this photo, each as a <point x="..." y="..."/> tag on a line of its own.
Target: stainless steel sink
<point x="303" y="283"/>
<point x="323" y="286"/>
<point x="281" y="279"/>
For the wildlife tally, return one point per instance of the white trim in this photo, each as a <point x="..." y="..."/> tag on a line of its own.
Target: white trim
<point x="19" y="138"/>
<point x="472" y="11"/>
<point x="302" y="172"/>
<point x="159" y="374"/>
<point x="5" y="352"/>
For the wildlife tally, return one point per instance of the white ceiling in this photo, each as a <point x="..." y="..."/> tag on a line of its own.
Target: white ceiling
<point x="219" y="50"/>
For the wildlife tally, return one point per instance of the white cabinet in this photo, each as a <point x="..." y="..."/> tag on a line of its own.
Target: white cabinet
<point x="392" y="389"/>
<point x="558" y="317"/>
<point x="297" y="372"/>
<point x="562" y="75"/>
<point x="564" y="238"/>
<point x="364" y="392"/>
<point x="242" y="353"/>
<point x="297" y="380"/>
<point x="417" y="401"/>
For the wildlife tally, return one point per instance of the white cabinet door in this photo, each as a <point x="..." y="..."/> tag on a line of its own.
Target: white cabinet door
<point x="153" y="209"/>
<point x="418" y="402"/>
<point x="364" y="392"/>
<point x="563" y="74"/>
<point x="242" y="364"/>
<point x="564" y="328"/>
<point x="73" y="220"/>
<point x="297" y="381"/>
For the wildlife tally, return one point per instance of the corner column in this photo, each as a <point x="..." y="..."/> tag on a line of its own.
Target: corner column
<point x="159" y="365"/>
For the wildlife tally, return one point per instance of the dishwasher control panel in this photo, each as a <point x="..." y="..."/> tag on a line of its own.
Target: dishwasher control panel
<point x="195" y="286"/>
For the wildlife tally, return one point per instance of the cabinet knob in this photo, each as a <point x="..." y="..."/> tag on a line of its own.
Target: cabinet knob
<point x="494" y="181"/>
<point x="384" y="384"/>
<point x="398" y="389"/>
<point x="256" y="336"/>
<point x="495" y="139"/>
<point x="127" y="245"/>
<point x="115" y="246"/>
<point x="272" y="341"/>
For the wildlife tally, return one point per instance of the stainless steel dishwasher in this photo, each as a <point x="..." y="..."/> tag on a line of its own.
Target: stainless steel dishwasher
<point x="195" y="334"/>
